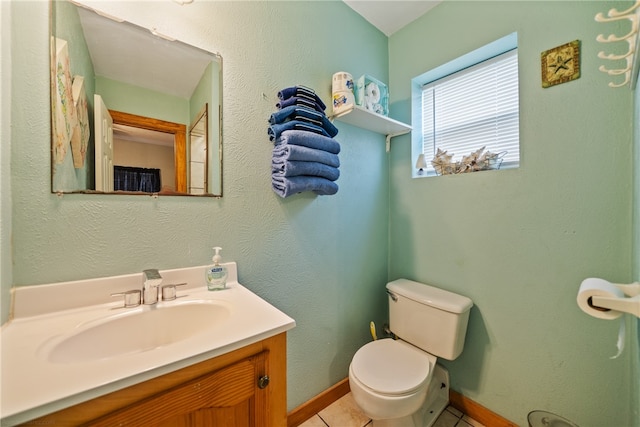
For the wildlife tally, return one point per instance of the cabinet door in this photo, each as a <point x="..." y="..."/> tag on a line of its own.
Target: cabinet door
<point x="227" y="397"/>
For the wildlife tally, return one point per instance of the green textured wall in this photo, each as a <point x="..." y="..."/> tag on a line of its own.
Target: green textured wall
<point x="143" y="102"/>
<point x="6" y="222"/>
<point x="635" y="358"/>
<point x="322" y="260"/>
<point x="519" y="242"/>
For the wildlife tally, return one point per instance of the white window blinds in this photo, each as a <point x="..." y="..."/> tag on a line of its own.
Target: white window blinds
<point x="474" y="108"/>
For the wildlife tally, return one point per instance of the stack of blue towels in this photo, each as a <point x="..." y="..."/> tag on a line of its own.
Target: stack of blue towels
<point x="305" y="155"/>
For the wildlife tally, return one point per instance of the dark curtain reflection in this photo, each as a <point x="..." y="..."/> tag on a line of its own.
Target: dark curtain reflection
<point x="128" y="178"/>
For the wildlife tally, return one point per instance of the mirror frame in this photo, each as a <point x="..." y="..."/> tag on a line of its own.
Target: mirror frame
<point x="181" y="135"/>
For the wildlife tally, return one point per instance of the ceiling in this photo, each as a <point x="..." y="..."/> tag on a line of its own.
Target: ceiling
<point x="391" y="15"/>
<point x="141" y="57"/>
<point x="143" y="136"/>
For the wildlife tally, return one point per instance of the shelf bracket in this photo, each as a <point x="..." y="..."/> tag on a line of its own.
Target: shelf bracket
<point x="392" y="135"/>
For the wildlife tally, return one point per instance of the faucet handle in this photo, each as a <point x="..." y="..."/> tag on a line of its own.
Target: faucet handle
<point x="132" y="298"/>
<point x="169" y="292"/>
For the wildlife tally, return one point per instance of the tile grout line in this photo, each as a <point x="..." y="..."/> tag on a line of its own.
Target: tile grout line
<point x="322" y="419"/>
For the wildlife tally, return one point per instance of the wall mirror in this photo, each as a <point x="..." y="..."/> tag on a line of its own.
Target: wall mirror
<point x="133" y="111"/>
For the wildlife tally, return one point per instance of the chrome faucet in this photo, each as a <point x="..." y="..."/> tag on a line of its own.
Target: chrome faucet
<point x="150" y="286"/>
<point x="150" y="292"/>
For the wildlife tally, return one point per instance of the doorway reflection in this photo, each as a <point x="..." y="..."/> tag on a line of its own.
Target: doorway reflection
<point x="143" y="160"/>
<point x="198" y="142"/>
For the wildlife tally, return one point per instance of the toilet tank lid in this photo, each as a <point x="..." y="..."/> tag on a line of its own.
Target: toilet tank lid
<point x="431" y="296"/>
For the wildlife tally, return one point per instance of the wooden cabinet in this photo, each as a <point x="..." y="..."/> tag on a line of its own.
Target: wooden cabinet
<point x="246" y="387"/>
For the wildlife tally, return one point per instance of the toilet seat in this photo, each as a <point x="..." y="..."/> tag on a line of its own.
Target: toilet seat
<point x="392" y="367"/>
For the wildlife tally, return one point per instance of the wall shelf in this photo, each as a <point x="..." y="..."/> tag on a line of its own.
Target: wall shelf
<point x="365" y="119"/>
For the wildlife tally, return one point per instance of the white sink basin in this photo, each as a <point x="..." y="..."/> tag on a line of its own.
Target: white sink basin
<point x="135" y="330"/>
<point x="77" y="341"/>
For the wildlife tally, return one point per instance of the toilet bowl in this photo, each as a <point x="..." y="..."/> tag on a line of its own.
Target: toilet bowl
<point x="397" y="382"/>
<point x="389" y="378"/>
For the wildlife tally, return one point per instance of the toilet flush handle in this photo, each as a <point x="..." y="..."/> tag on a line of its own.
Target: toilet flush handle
<point x="393" y="296"/>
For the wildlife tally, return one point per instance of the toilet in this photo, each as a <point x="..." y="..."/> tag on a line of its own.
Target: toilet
<point x="397" y="382"/>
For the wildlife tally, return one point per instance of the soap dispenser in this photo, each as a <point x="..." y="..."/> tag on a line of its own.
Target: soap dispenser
<point x="216" y="274"/>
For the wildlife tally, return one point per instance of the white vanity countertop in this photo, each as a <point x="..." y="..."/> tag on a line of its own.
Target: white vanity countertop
<point x="33" y="386"/>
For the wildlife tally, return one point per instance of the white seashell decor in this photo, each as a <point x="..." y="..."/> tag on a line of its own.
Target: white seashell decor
<point x="473" y="162"/>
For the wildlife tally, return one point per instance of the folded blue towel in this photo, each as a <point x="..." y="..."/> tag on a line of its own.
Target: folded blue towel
<point x="296" y="168"/>
<point x="308" y="139"/>
<point x="274" y="131"/>
<point x="287" y="186"/>
<point x="300" y="90"/>
<point x="305" y="119"/>
<point x="282" y="153"/>
<point x="301" y="102"/>
<point x="302" y="113"/>
<point x="287" y="112"/>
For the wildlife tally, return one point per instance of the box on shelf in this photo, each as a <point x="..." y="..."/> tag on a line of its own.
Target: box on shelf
<point x="372" y="94"/>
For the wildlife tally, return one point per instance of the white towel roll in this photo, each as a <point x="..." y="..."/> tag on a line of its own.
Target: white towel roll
<point x="372" y="93"/>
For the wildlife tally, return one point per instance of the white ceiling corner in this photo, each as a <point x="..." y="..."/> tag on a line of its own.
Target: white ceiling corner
<point x="391" y="15"/>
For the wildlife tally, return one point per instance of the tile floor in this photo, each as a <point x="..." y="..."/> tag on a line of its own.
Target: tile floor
<point x="345" y="413"/>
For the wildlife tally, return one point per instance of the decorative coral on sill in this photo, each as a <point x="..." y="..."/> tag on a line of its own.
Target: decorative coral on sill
<point x="474" y="162"/>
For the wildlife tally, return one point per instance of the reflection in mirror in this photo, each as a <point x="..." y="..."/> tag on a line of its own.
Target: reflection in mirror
<point x="133" y="112"/>
<point x="143" y="148"/>
<point x="198" y="136"/>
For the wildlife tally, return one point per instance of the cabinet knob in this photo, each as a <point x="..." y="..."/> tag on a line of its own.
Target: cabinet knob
<point x="263" y="381"/>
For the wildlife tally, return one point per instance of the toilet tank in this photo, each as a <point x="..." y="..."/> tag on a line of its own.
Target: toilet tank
<point x="430" y="318"/>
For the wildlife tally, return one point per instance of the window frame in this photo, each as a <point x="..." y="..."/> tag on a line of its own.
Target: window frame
<point x="485" y="53"/>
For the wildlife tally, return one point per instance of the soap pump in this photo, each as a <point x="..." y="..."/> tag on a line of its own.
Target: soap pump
<point x="216" y="274"/>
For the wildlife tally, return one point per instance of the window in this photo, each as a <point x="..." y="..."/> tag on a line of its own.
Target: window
<point x="472" y="106"/>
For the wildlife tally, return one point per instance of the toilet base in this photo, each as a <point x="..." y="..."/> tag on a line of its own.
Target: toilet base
<point x="436" y="402"/>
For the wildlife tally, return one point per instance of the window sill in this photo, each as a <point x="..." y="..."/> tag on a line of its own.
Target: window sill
<point x="430" y="173"/>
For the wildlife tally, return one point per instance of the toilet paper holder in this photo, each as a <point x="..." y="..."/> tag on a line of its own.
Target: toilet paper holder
<point x="629" y="305"/>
